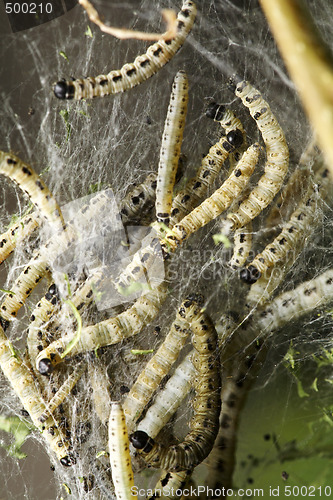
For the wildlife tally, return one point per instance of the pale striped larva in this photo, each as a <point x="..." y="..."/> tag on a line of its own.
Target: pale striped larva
<point x="158" y="366"/>
<point x="25" y="387"/>
<point x="242" y="246"/>
<point x="62" y="392"/>
<point x="170" y="148"/>
<point x="131" y="74"/>
<point x="17" y="233"/>
<point x="171" y="484"/>
<point x="206" y="404"/>
<point x="229" y="122"/>
<point x="45" y="308"/>
<point x="31" y="183"/>
<point x="120" y="458"/>
<point x="295" y="303"/>
<point x="107" y="332"/>
<point x="169" y="398"/>
<point x="277" y="157"/>
<point x="293" y="232"/>
<point x="196" y="188"/>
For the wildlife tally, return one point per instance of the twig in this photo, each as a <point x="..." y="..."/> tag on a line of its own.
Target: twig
<point x="168" y="15"/>
<point x="309" y="63"/>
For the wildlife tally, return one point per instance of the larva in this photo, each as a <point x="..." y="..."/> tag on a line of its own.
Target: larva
<point x="44" y="309"/>
<point x="206" y="404"/>
<point x="133" y="203"/>
<point x="211" y="164"/>
<point x="242" y="246"/>
<point x="296" y="229"/>
<point x="25" y="387"/>
<point x="277" y="157"/>
<point x="169" y="398"/>
<point x="107" y="332"/>
<point x="295" y="303"/>
<point x="17" y="233"/>
<point x="30" y="182"/>
<point x="62" y="392"/>
<point x="131" y="74"/>
<point x="229" y="122"/>
<point x="171" y="482"/>
<point x="218" y="202"/>
<point x="158" y="366"/>
<point x="237" y="381"/>
<point x="120" y="458"/>
<point x="171" y="144"/>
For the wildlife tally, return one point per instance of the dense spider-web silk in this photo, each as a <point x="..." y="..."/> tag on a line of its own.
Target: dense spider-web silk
<point x="79" y="147"/>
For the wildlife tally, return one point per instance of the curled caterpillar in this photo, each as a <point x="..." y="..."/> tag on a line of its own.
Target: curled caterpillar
<point x="131" y="74"/>
<point x="204" y="424"/>
<point x="136" y="199"/>
<point x="277" y="156"/>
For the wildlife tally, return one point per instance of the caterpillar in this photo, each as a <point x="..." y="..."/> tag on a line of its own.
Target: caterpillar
<point x="211" y="164"/>
<point x="169" y="398"/>
<point x="171" y="484"/>
<point x="62" y="392"/>
<point x="171" y="144"/>
<point x="242" y="246"/>
<point x="229" y="122"/>
<point x="107" y="332"/>
<point x="206" y="404"/>
<point x="277" y="153"/>
<point x="286" y="201"/>
<point x="133" y="203"/>
<point x="119" y="451"/>
<point x="296" y="229"/>
<point x="17" y="233"/>
<point x="218" y="202"/>
<point x="158" y="366"/>
<point x="44" y="309"/>
<point x="30" y="182"/>
<point x="295" y="303"/>
<point x="25" y="387"/>
<point x="238" y="378"/>
<point x="131" y="74"/>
